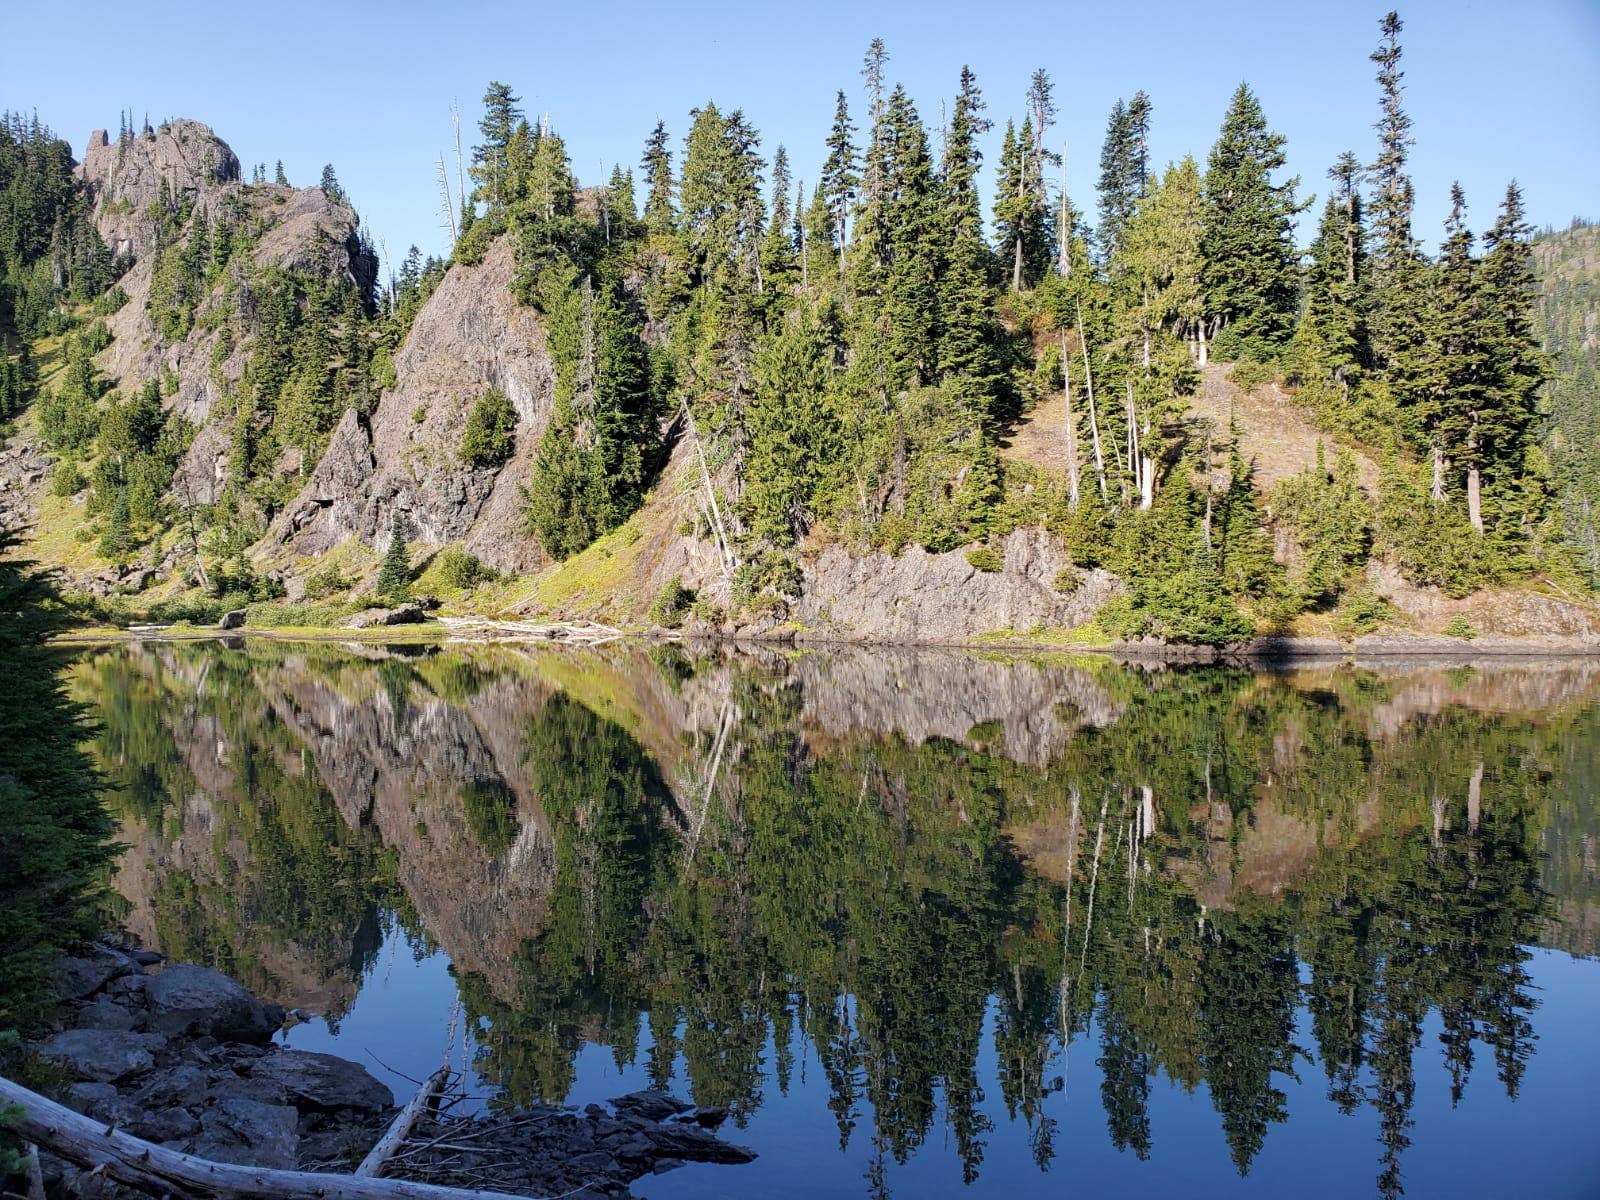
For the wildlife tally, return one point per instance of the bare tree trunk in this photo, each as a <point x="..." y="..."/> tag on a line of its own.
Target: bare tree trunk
<point x="1436" y="492"/>
<point x="900" y="464"/>
<point x="721" y="531"/>
<point x="1474" y="479"/>
<point x="1207" y="526"/>
<point x="1475" y="798"/>
<point x="1073" y="478"/>
<point x="1205" y="347"/>
<point x="1064" y="227"/>
<point x="1094" y="420"/>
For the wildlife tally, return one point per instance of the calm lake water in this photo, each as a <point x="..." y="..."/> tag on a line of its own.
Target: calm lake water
<point x="927" y="924"/>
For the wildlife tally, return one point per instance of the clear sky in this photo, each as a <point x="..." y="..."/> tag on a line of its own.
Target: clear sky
<point x="1495" y="90"/>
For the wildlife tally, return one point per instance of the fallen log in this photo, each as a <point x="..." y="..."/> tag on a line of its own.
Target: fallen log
<point x="158" y="1171"/>
<point x="400" y="1129"/>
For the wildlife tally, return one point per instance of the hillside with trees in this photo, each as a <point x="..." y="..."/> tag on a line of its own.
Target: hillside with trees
<point x="682" y="393"/>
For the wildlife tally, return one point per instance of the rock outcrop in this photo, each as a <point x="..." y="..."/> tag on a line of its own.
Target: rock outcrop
<point x="469" y="336"/>
<point x="917" y="597"/>
<point x="125" y="177"/>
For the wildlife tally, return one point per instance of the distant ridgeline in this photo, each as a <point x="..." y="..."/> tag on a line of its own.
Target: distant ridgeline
<point x="847" y="357"/>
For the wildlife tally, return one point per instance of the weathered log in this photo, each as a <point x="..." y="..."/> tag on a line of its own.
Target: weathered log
<point x="161" y="1172"/>
<point x="400" y="1128"/>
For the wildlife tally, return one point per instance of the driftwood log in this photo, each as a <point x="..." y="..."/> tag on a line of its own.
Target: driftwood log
<point x="400" y="1129"/>
<point x="161" y="1172"/>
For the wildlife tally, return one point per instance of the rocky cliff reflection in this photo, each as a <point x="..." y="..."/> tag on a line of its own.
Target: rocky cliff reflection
<point x="892" y="863"/>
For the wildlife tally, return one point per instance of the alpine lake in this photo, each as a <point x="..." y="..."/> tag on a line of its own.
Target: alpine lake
<point x="927" y="924"/>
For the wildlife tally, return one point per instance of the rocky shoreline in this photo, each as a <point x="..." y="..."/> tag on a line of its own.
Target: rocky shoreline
<point x="184" y="1057"/>
<point x="1264" y="651"/>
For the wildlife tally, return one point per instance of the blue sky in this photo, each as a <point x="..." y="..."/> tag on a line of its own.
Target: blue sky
<point x="1495" y="89"/>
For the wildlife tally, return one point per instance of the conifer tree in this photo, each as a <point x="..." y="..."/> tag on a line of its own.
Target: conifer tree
<point x="278" y="177"/>
<point x="1330" y="343"/>
<point x="1124" y="169"/>
<point x="501" y="117"/>
<point x="911" y="283"/>
<point x="777" y="249"/>
<point x="840" y="177"/>
<point x="1394" y="258"/>
<point x="1250" y="275"/>
<point x="1514" y="365"/>
<point x="394" y="575"/>
<point x="659" y="215"/>
<point x="967" y="333"/>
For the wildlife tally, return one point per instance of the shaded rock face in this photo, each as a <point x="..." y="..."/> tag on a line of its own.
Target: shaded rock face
<point x="124" y="178"/>
<point x="471" y="335"/>
<point x="932" y="598"/>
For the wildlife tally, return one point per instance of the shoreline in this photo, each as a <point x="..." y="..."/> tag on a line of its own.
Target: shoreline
<point x="1266" y="650"/>
<point x="182" y="1059"/>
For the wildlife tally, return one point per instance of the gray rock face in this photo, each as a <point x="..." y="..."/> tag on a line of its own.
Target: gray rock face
<point x="249" y="1133"/>
<point x="103" y="1055"/>
<point x="470" y="335"/>
<point x="79" y="976"/>
<point x="323" y="1081"/>
<point x="124" y="178"/>
<point x="941" y="598"/>
<point x="184" y="1085"/>
<point x="186" y="999"/>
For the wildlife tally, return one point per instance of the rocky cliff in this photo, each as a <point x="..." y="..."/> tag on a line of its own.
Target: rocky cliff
<point x="470" y="335"/>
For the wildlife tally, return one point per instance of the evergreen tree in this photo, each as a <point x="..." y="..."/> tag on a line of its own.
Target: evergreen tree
<point x="394" y="575"/>
<point x="501" y="116"/>
<point x="968" y="335"/>
<point x="1250" y="277"/>
<point x="659" y="215"/>
<point x="330" y="185"/>
<point x="1394" y="258"/>
<point x="910" y="303"/>
<point x="1124" y="169"/>
<point x="840" y="178"/>
<point x="278" y="177"/>
<point x="1514" y="365"/>
<point x="778" y="262"/>
<point x="1330" y="343"/>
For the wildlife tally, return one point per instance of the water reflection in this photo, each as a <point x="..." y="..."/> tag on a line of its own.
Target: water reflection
<point x="935" y="876"/>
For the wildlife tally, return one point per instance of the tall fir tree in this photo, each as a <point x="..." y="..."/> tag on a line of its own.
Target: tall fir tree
<point x="1124" y="169"/>
<point x="968" y="358"/>
<point x="1251" y="263"/>
<point x="659" y="215"/>
<point x="840" y="175"/>
<point x="1395" y="264"/>
<point x="1330" y="342"/>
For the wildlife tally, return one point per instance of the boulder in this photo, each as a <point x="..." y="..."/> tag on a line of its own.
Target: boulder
<point x="323" y="1080"/>
<point x="184" y="1085"/>
<point x="104" y="1013"/>
<point x="79" y="976"/>
<point x="650" y="1104"/>
<point x="103" y="1055"/>
<point x="88" y="1098"/>
<point x="232" y="620"/>
<point x="186" y="999"/>
<point x="249" y="1133"/>
<point x="377" y="618"/>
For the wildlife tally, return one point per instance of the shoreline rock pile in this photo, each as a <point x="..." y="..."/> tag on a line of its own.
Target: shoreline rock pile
<point x="183" y="1056"/>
